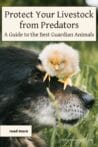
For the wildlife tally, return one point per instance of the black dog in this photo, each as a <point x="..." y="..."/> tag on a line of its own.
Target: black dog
<point x="24" y="99"/>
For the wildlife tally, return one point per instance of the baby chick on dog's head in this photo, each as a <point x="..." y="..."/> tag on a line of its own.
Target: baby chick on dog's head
<point x="60" y="60"/>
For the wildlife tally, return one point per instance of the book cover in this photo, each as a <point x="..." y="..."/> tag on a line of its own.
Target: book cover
<point x="48" y="73"/>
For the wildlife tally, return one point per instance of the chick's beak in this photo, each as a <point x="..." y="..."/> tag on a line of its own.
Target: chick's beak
<point x="56" y="67"/>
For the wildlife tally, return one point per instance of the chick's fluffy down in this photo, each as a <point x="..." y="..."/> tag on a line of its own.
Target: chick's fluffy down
<point x="60" y="52"/>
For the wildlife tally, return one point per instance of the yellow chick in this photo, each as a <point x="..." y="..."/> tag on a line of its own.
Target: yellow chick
<point x="60" y="60"/>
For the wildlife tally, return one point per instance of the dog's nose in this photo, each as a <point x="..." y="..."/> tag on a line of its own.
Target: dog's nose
<point x="88" y="100"/>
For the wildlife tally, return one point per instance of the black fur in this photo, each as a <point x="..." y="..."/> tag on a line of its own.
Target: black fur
<point x="16" y="66"/>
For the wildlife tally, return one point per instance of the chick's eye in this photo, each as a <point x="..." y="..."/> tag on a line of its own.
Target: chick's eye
<point x="62" y="62"/>
<point x="51" y="62"/>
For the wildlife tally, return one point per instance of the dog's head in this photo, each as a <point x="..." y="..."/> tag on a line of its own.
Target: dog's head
<point x="24" y="98"/>
<point x="37" y="108"/>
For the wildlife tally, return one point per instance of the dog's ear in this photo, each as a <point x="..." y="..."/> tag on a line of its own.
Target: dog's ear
<point x="21" y="142"/>
<point x="38" y="142"/>
<point x="34" y="141"/>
